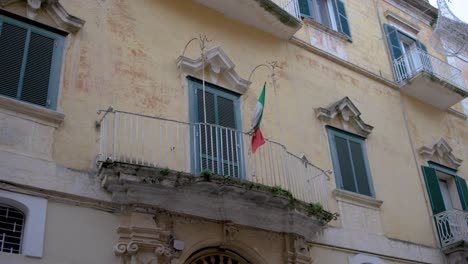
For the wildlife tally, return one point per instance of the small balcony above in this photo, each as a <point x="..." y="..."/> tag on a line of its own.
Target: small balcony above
<point x="278" y="17"/>
<point x="429" y="79"/>
<point x="208" y="171"/>
<point x="452" y="227"/>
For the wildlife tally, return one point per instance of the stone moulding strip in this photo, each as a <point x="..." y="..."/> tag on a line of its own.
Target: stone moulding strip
<point x="61" y="197"/>
<point x="357" y="199"/>
<point x="42" y="114"/>
<point x="353" y="67"/>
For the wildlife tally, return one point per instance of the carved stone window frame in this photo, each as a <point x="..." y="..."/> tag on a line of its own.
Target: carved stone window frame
<point x="348" y="113"/>
<point x="220" y="68"/>
<point x="441" y="152"/>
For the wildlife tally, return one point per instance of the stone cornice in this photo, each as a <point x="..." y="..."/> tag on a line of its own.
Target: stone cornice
<point x="220" y="65"/>
<point x="344" y="63"/>
<point x="357" y="199"/>
<point x="442" y="150"/>
<point x="53" y="7"/>
<point x="347" y="111"/>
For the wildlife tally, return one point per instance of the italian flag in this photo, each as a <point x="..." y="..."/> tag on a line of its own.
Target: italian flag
<point x="257" y="138"/>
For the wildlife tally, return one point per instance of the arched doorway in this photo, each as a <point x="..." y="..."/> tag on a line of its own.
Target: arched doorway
<point x="216" y="256"/>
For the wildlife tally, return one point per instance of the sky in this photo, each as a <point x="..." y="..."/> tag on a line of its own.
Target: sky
<point x="458" y="7"/>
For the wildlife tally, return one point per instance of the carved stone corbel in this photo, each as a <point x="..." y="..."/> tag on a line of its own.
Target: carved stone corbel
<point x="298" y="251"/>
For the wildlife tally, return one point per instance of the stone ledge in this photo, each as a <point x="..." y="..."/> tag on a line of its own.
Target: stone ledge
<point x="315" y="24"/>
<point x="357" y="199"/>
<point x="36" y="113"/>
<point x="215" y="199"/>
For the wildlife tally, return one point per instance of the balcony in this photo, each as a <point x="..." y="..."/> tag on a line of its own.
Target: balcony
<point x="278" y="17"/>
<point x="429" y="79"/>
<point x="452" y="226"/>
<point x="167" y="164"/>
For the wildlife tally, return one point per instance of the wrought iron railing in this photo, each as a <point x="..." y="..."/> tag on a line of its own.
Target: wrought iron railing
<point x="192" y="147"/>
<point x="291" y="6"/>
<point x="417" y="60"/>
<point x="452" y="226"/>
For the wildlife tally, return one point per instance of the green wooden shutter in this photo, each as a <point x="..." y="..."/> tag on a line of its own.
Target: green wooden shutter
<point x="12" y="46"/>
<point x="37" y="74"/>
<point x="394" y="43"/>
<point x="360" y="171"/>
<point x="344" y="163"/>
<point x="342" y="18"/>
<point x="433" y="189"/>
<point x="462" y="192"/>
<point x="304" y="8"/>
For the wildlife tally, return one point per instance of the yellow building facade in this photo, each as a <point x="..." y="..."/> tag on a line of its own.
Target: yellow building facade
<point x="125" y="133"/>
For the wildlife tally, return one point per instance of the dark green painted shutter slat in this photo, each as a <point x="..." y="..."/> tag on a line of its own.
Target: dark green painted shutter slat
<point x="394" y="43"/>
<point x="12" y="44"/>
<point x="226" y="114"/>
<point x="433" y="188"/>
<point x="37" y="73"/>
<point x="342" y="18"/>
<point x="210" y="107"/>
<point x="462" y="192"/>
<point x="360" y="168"/>
<point x="345" y="164"/>
<point x="304" y="8"/>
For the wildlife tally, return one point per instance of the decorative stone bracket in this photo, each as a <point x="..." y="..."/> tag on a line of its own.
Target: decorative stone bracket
<point x="142" y="242"/>
<point x="53" y="7"/>
<point x="348" y="112"/>
<point x="441" y="152"/>
<point x="298" y="251"/>
<point x="220" y="66"/>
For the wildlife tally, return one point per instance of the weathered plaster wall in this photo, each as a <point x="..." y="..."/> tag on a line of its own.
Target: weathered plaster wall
<point x="125" y="56"/>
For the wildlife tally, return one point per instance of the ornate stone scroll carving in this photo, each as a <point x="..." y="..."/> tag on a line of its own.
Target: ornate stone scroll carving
<point x="141" y="241"/>
<point x="441" y="152"/>
<point x="298" y="251"/>
<point x="54" y="9"/>
<point x="348" y="112"/>
<point x="220" y="65"/>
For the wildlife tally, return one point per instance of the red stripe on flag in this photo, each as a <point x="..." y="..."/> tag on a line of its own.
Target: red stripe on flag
<point x="257" y="139"/>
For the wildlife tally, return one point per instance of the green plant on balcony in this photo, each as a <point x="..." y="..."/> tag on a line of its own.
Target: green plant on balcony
<point x="278" y="191"/>
<point x="165" y="172"/>
<point x="317" y="210"/>
<point x="206" y="174"/>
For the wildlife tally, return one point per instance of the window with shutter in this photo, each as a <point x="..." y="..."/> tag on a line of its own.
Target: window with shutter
<point x="330" y="13"/>
<point x="350" y="162"/>
<point x="31" y="70"/>
<point x="219" y="140"/>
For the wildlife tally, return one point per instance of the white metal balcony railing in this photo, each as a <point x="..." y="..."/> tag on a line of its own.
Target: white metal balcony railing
<point x="290" y="6"/>
<point x="193" y="147"/>
<point x="417" y="60"/>
<point x="452" y="226"/>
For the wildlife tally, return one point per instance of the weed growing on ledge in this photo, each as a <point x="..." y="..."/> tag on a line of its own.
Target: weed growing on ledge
<point x="278" y="191"/>
<point x="165" y="172"/>
<point x="206" y="174"/>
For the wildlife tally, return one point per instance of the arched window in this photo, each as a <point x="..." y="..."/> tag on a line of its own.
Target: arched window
<point x="216" y="256"/>
<point x="11" y="229"/>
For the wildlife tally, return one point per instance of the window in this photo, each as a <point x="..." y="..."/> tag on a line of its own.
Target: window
<point x="330" y="13"/>
<point x="350" y="163"/>
<point x="218" y="143"/>
<point x="22" y="224"/>
<point x="408" y="54"/>
<point x="446" y="190"/>
<point x="31" y="62"/>
<point x="11" y="229"/>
